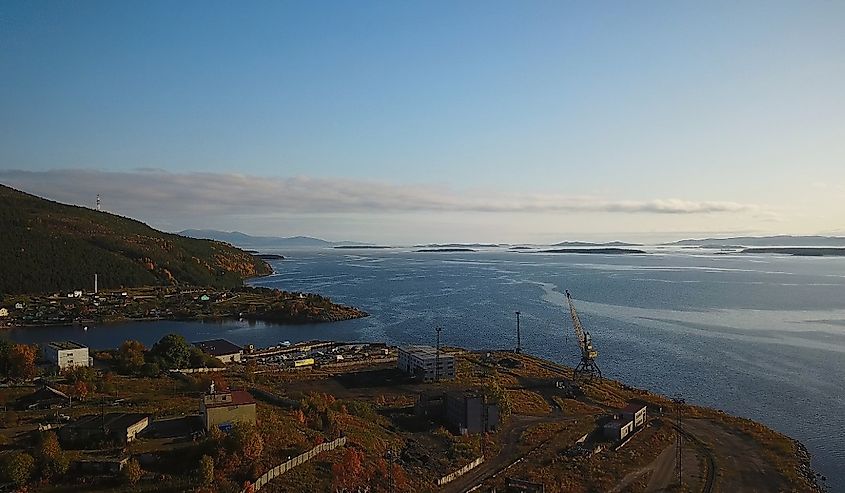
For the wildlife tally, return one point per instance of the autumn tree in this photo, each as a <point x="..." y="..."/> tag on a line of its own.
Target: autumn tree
<point x="52" y="460"/>
<point x="349" y="472"/>
<point x="247" y="441"/>
<point x="21" y="361"/>
<point x="130" y="356"/>
<point x="206" y="471"/>
<point x="131" y="472"/>
<point x="17" y="468"/>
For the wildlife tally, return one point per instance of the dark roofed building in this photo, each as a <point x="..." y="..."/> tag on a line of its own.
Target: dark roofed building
<point x="221" y="349"/>
<point x="44" y="398"/>
<point x="120" y="427"/>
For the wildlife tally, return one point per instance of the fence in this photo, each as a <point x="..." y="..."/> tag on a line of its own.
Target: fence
<point x="460" y="472"/>
<point x="296" y="461"/>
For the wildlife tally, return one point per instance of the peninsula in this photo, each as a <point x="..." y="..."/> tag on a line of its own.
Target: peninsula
<point x="66" y="264"/>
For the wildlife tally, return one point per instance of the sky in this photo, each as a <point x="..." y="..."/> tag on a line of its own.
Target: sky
<point x="429" y="121"/>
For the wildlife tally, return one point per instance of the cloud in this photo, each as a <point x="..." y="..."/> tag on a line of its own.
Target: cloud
<point x="157" y="193"/>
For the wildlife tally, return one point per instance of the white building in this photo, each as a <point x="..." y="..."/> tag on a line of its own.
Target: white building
<point x="636" y="413"/>
<point x="67" y="354"/>
<point x="422" y="361"/>
<point x="4" y="312"/>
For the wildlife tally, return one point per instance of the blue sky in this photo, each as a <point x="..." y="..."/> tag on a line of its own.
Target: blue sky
<point x="428" y="121"/>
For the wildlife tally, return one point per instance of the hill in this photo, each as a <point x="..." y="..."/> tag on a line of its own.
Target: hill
<point x="590" y="244"/>
<point x="245" y="240"/>
<point x="47" y="246"/>
<point x="764" y="241"/>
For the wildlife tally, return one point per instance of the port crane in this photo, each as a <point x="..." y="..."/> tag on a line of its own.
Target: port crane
<point x="587" y="368"/>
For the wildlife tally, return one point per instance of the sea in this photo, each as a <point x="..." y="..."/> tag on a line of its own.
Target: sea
<point x="759" y="336"/>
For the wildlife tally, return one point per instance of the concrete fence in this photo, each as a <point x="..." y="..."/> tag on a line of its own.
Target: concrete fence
<point x="196" y="370"/>
<point x="460" y="472"/>
<point x="296" y="461"/>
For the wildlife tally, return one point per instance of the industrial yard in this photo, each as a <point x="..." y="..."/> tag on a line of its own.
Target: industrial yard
<point x="502" y="419"/>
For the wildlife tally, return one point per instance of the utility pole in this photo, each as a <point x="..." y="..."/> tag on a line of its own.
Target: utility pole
<point x="391" y="483"/>
<point x="518" y="335"/>
<point x="437" y="356"/>
<point x="679" y="440"/>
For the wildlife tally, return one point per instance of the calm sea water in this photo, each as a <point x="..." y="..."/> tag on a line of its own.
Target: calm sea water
<point x="757" y="336"/>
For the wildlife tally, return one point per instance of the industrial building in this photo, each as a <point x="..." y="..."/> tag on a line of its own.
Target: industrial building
<point x="66" y="354"/>
<point x="120" y="427"/>
<point x="423" y="362"/>
<point x="635" y="413"/>
<point x="224" y="409"/>
<point x="464" y="412"/>
<point x="618" y="429"/>
<point x="632" y="417"/>
<point x="225" y="351"/>
<point x="469" y="412"/>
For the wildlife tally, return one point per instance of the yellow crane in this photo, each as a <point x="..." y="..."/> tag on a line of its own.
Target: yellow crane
<point x="587" y="368"/>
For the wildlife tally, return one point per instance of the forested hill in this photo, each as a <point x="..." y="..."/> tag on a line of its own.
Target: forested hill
<point x="46" y="246"/>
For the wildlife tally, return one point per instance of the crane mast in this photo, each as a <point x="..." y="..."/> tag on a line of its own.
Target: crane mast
<point x="587" y="367"/>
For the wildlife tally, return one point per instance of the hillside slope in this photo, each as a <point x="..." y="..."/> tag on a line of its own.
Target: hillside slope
<point x="46" y="246"/>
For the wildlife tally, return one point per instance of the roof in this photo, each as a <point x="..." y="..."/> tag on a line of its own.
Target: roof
<point x="44" y="394"/>
<point x="633" y="408"/>
<point x="238" y="398"/>
<point x="66" y="345"/>
<point x="617" y="423"/>
<point x="110" y="421"/>
<point x="218" y="347"/>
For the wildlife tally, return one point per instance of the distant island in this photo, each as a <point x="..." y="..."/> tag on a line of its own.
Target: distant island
<point x="459" y="245"/>
<point x="445" y="250"/>
<point x="598" y="251"/>
<point x="362" y="247"/>
<point x="800" y="252"/>
<point x="765" y="241"/>
<point x="521" y="248"/>
<point x="589" y="244"/>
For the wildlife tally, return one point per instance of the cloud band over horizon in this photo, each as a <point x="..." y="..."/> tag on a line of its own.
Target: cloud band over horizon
<point x="151" y="190"/>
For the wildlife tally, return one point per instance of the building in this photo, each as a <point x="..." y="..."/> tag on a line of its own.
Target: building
<point x="636" y="413"/>
<point x="221" y="349"/>
<point x="67" y="354"/>
<point x="44" y="398"/>
<point x="618" y="429"/>
<point x="115" y="427"/>
<point x="468" y="413"/>
<point x="224" y="409"/>
<point x="422" y="362"/>
<point x="464" y="412"/>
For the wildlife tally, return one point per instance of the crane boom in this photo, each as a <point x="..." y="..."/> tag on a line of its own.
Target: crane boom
<point x="587" y="367"/>
<point x="576" y="322"/>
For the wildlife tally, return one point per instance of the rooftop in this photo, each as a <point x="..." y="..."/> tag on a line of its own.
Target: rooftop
<point x="66" y="345"/>
<point x="633" y="407"/>
<point x="218" y="347"/>
<point x="230" y="398"/>
<point x="423" y="351"/>
<point x="110" y="421"/>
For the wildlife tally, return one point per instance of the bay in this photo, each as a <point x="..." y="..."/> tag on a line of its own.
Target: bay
<point x="757" y="336"/>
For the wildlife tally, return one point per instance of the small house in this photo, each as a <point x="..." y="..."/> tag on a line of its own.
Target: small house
<point x="618" y="429"/>
<point x="4" y="312"/>
<point x="636" y="413"/>
<point x="224" y="409"/>
<point x="221" y="349"/>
